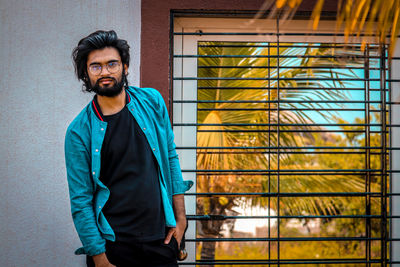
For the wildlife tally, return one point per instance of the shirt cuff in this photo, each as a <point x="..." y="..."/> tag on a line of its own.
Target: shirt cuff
<point x="91" y="251"/>
<point x="181" y="187"/>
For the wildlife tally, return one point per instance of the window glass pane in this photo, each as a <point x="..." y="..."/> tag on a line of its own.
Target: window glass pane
<point x="288" y="145"/>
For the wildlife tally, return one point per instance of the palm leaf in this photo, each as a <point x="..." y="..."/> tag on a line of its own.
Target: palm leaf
<point x="378" y="18"/>
<point x="222" y="134"/>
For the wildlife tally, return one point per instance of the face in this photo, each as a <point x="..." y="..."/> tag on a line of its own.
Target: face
<point x="105" y="71"/>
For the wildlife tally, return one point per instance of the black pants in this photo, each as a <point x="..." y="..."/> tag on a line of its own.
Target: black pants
<point x="143" y="254"/>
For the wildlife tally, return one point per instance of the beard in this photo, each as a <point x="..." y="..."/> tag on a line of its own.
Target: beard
<point x="109" y="91"/>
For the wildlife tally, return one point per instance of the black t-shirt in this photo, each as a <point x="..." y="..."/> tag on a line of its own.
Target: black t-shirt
<point x="129" y="169"/>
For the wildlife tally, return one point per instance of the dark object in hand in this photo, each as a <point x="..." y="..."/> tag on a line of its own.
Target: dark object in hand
<point x="182" y="254"/>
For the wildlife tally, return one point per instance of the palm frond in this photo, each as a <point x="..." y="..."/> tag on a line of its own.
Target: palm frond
<point x="222" y="133"/>
<point x="378" y="18"/>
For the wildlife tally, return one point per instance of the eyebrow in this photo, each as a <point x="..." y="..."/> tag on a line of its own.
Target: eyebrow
<point x="98" y="63"/>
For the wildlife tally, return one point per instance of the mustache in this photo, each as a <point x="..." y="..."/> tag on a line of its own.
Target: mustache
<point x="106" y="78"/>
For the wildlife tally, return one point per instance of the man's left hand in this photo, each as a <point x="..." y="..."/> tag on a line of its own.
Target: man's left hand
<point x="177" y="232"/>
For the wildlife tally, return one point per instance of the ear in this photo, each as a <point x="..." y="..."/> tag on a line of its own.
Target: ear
<point x="126" y="69"/>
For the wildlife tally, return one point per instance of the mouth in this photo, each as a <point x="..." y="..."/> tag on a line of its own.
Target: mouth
<point x="106" y="81"/>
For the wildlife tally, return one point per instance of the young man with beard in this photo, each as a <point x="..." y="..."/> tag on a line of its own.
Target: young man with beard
<point x="125" y="183"/>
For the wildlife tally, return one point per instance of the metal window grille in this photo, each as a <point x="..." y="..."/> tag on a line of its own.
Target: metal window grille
<point x="269" y="100"/>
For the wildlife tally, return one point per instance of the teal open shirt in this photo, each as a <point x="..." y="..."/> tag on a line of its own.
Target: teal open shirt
<point x="83" y="142"/>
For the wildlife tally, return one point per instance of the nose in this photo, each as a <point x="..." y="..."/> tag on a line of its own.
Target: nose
<point x="105" y="69"/>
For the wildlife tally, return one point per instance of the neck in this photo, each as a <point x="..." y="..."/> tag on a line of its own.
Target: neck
<point x="112" y="105"/>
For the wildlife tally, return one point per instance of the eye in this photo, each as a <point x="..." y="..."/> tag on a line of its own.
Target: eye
<point x="113" y="64"/>
<point x="95" y="68"/>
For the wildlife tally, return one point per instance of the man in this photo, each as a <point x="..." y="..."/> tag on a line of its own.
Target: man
<point x="124" y="178"/>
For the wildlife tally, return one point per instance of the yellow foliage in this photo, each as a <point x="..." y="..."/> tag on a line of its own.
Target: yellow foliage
<point x="366" y="18"/>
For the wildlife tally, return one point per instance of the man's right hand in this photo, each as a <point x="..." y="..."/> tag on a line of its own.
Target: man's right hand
<point x="102" y="261"/>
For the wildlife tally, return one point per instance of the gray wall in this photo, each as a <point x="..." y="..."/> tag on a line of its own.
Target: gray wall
<point x="39" y="96"/>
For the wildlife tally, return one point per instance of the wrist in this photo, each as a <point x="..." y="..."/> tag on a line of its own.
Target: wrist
<point x="100" y="258"/>
<point x="181" y="220"/>
<point x="181" y="224"/>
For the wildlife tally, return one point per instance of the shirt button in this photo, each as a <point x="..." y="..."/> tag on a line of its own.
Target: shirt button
<point x="154" y="149"/>
<point x="97" y="150"/>
<point x="102" y="129"/>
<point x="144" y="129"/>
<point x="94" y="173"/>
<point x="99" y="207"/>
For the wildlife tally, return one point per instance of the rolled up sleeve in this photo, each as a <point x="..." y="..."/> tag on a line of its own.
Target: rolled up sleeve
<point x="81" y="191"/>
<point x="179" y="186"/>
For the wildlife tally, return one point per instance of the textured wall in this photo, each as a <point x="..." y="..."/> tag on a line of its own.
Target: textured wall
<point x="39" y="96"/>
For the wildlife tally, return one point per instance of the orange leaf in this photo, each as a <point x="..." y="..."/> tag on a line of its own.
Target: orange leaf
<point x="280" y="3"/>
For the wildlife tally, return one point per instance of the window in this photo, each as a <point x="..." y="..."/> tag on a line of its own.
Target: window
<point x="287" y="138"/>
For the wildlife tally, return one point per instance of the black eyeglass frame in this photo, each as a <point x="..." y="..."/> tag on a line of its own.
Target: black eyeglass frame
<point x="108" y="66"/>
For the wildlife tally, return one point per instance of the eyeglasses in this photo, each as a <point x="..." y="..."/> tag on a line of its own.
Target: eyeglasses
<point x="112" y="67"/>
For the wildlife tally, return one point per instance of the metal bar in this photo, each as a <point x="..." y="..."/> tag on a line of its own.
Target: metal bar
<point x="287" y="152"/>
<point x="243" y="172"/>
<point x="278" y="137"/>
<point x="285" y="109"/>
<point x="282" y="239"/>
<point x="390" y="164"/>
<point x="293" y="194"/>
<point x="282" y="67"/>
<point x="281" y="56"/>
<point x="284" y="88"/>
<point x="286" y="147"/>
<point x="299" y="171"/>
<point x="383" y="161"/>
<point x="300" y="101"/>
<point x="269" y="34"/>
<point x="223" y="217"/>
<point x="368" y="228"/>
<point x="309" y="45"/>
<point x="278" y="148"/>
<point x="273" y="79"/>
<point x="328" y="194"/>
<point x="283" y="262"/>
<point x="292" y="131"/>
<point x="285" y="173"/>
<point x="284" y="124"/>
<point x="269" y="158"/>
<point x="287" y="239"/>
<point x="276" y="56"/>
